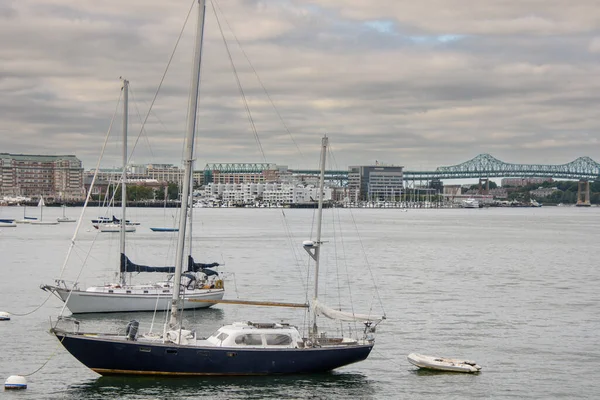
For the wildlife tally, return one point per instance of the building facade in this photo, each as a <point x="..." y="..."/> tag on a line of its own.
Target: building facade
<point x="375" y="182"/>
<point x="54" y="177"/>
<point x="524" y="181"/>
<point x="157" y="172"/>
<point x="269" y="193"/>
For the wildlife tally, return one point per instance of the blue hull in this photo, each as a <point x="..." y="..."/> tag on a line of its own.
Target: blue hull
<point x="112" y="357"/>
<point x="165" y="229"/>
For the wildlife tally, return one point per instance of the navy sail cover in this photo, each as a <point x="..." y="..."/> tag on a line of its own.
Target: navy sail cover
<point x="128" y="266"/>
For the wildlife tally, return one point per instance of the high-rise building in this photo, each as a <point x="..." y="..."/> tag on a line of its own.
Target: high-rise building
<point x="57" y="177"/>
<point x="375" y="182"/>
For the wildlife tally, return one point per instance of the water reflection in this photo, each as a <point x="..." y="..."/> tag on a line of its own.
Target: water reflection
<point x="333" y="385"/>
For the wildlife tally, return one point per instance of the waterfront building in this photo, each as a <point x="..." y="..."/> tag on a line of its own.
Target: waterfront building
<point x="452" y="190"/>
<point x="375" y="182"/>
<point x="269" y="193"/>
<point x="241" y="173"/>
<point x="158" y="172"/>
<point x="56" y="178"/>
<point x="524" y="181"/>
<point x="543" y="192"/>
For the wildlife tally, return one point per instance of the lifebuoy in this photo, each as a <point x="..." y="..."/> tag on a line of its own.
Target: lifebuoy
<point x="219" y="284"/>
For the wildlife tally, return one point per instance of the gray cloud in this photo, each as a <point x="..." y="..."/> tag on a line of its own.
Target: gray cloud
<point x="418" y="84"/>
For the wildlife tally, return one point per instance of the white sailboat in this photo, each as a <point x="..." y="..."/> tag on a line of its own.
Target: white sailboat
<point x="201" y="281"/>
<point x="64" y="218"/>
<point x="41" y="205"/>
<point x="240" y="348"/>
<point x="26" y="219"/>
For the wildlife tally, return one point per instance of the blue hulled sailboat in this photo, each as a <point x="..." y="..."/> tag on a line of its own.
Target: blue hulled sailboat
<point x="241" y="348"/>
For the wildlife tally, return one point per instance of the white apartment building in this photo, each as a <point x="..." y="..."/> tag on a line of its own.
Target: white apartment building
<point x="249" y="193"/>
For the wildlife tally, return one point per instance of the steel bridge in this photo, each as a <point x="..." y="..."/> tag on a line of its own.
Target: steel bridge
<point x="482" y="166"/>
<point x="486" y="166"/>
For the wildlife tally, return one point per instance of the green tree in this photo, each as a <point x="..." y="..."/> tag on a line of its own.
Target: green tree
<point x="173" y="191"/>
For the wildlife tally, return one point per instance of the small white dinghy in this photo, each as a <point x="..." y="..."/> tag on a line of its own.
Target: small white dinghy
<point x="443" y="364"/>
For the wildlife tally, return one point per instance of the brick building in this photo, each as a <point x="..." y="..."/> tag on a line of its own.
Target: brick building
<point x="54" y="177"/>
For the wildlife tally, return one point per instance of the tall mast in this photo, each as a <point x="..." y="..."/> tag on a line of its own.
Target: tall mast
<point x="317" y="253"/>
<point x="190" y="215"/>
<point x="188" y="162"/>
<point x="124" y="172"/>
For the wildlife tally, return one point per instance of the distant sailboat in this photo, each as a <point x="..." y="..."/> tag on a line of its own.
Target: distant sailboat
<point x="26" y="219"/>
<point x="164" y="229"/>
<point x="7" y="223"/>
<point x="41" y="205"/>
<point x="64" y="218"/>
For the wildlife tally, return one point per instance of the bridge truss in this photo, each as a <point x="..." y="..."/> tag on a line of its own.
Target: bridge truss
<point x="482" y="166"/>
<point x="486" y="166"/>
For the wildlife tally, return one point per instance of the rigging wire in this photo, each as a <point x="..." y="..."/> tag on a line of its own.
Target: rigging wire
<point x="285" y="126"/>
<point x="240" y="88"/>
<point x="333" y="163"/>
<point x="364" y="252"/>
<point x="137" y="110"/>
<point x="162" y="79"/>
<point x="80" y="219"/>
<point x="291" y="240"/>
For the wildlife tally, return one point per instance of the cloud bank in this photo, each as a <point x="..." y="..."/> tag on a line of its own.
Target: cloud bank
<point x="419" y="84"/>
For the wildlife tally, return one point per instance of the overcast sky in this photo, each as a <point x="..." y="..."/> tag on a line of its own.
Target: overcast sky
<point x="415" y="83"/>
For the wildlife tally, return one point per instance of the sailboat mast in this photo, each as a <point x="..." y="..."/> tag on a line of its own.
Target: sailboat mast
<point x="324" y="143"/>
<point x="124" y="172"/>
<point x="191" y="211"/>
<point x="188" y="162"/>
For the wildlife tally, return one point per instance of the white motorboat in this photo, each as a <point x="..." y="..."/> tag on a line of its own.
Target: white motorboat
<point x="113" y="227"/>
<point x="470" y="203"/>
<point x="443" y="364"/>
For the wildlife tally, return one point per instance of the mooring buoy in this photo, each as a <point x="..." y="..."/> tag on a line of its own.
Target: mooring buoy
<point x="15" y="382"/>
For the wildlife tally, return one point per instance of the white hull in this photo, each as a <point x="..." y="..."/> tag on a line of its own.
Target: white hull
<point x="114" y="228"/>
<point x="43" y="223"/>
<point x="442" y="364"/>
<point x="95" y="302"/>
<point x="470" y="203"/>
<point x="65" y="219"/>
<point x="7" y="224"/>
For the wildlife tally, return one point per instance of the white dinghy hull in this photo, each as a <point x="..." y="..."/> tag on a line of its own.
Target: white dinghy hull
<point x="443" y="364"/>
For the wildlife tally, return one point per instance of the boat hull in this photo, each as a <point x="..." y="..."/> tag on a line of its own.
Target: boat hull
<point x="164" y="229"/>
<point x="443" y="364"/>
<point x="82" y="302"/>
<point x="118" y="357"/>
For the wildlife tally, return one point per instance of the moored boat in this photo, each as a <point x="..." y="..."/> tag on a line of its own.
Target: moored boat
<point x="7" y="223"/>
<point x="239" y="348"/>
<point x="442" y="363"/>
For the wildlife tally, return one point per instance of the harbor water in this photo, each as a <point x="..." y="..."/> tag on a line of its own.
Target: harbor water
<point x="515" y="289"/>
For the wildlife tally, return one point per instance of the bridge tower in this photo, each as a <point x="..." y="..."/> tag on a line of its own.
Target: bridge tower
<point x="583" y="194"/>
<point x="486" y="189"/>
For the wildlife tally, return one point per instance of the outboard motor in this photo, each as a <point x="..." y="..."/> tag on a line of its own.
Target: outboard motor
<point x="131" y="329"/>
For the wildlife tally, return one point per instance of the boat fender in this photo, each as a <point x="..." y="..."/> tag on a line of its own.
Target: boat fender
<point x="131" y="329"/>
<point x="219" y="284"/>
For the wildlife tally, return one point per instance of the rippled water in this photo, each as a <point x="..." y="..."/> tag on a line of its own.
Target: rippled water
<point x="517" y="290"/>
